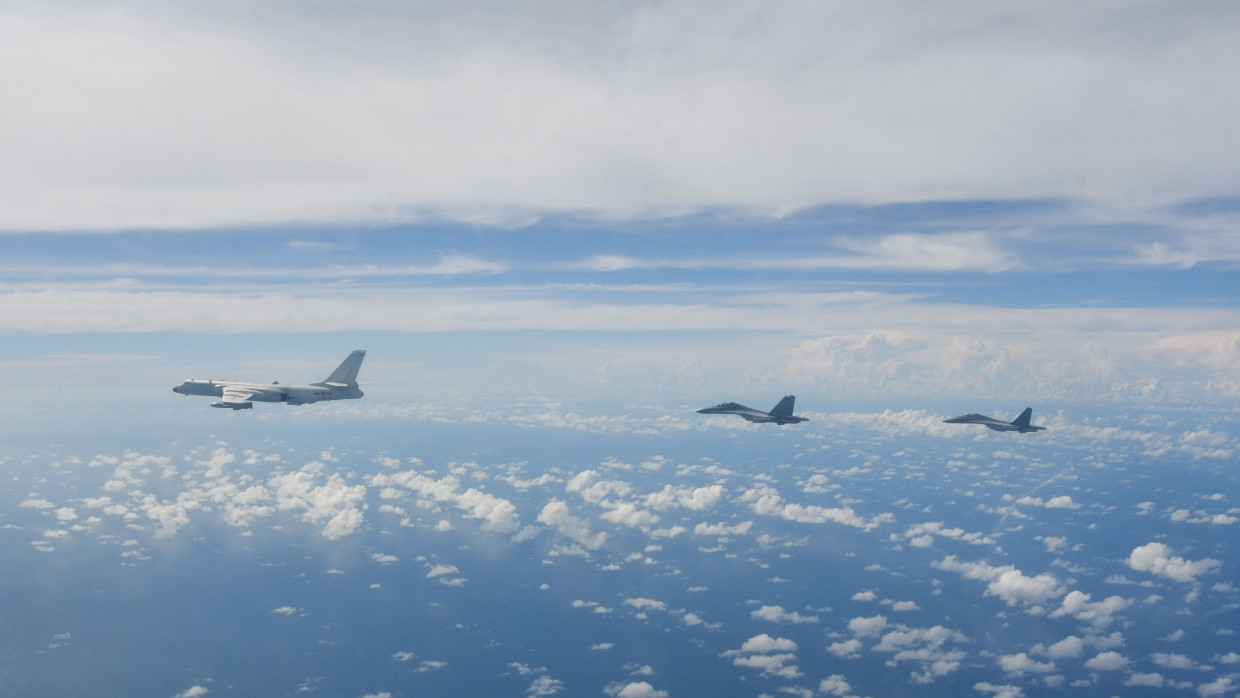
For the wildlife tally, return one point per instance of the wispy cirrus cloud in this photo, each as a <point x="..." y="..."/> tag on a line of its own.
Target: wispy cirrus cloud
<point x="853" y="341"/>
<point x="1187" y="249"/>
<point x="249" y="269"/>
<point x="945" y="252"/>
<point x="970" y="251"/>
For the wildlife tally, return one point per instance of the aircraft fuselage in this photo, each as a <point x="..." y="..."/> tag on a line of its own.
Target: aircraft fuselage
<point x="270" y="392"/>
<point x="1020" y="424"/>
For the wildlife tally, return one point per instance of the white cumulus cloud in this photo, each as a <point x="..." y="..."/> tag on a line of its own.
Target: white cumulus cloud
<point x="777" y="614"/>
<point x="771" y="655"/>
<point x="1107" y="661"/>
<point x="1157" y="558"/>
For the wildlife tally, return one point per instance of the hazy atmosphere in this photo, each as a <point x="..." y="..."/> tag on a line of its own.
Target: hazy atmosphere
<point x="557" y="229"/>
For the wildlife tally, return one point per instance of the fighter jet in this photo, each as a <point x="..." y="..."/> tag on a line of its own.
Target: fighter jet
<point x="340" y="385"/>
<point x="1020" y="424"/>
<point x="779" y="414"/>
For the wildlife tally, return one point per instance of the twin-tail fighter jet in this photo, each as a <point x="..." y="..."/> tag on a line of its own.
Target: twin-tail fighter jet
<point x="340" y="385"/>
<point x="779" y="414"/>
<point x="1020" y="424"/>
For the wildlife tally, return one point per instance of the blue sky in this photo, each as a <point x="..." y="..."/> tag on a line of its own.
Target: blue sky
<point x="664" y="199"/>
<point x="993" y="300"/>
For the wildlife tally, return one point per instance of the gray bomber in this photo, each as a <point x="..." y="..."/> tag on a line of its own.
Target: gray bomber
<point x="340" y="385"/>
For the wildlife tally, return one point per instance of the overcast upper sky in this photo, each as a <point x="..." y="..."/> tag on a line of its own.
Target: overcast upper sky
<point x="959" y="196"/>
<point x="135" y="114"/>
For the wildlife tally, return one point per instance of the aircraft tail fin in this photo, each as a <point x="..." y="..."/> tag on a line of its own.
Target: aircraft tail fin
<point x="346" y="372"/>
<point x="1023" y="419"/>
<point x="784" y="408"/>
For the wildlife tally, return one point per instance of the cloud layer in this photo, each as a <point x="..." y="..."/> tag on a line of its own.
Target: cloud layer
<point x="142" y="114"/>
<point x="711" y="538"/>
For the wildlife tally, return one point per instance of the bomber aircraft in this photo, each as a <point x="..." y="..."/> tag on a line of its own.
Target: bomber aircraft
<point x="235" y="395"/>
<point x="779" y="414"/>
<point x="1020" y="424"/>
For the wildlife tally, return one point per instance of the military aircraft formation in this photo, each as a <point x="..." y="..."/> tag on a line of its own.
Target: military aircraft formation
<point x="782" y="414"/>
<point x="342" y="385"/>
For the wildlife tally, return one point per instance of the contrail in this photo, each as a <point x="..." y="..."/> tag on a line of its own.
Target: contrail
<point x="1031" y="492"/>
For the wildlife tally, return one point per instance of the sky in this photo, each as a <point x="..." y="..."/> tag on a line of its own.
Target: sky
<point x="837" y="197"/>
<point x="587" y="219"/>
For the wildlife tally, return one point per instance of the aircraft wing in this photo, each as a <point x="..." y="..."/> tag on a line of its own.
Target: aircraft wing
<point x="740" y="410"/>
<point x="756" y="416"/>
<point x="995" y="424"/>
<point x="746" y="412"/>
<point x="237" y="395"/>
<point x="975" y="418"/>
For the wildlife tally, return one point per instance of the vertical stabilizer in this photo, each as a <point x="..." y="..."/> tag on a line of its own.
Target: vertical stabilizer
<point x="346" y="372"/>
<point x="784" y="408"/>
<point x="1023" y="419"/>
